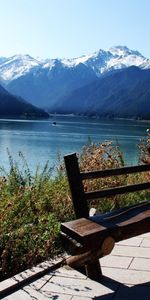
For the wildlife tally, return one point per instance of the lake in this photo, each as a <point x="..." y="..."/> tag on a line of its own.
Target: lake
<point x="40" y="141"/>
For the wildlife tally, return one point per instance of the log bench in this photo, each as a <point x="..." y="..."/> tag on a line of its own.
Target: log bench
<point x="89" y="238"/>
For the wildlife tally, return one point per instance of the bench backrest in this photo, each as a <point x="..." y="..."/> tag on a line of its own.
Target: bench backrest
<point x="80" y="198"/>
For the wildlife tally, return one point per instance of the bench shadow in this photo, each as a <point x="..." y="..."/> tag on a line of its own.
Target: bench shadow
<point x="124" y="292"/>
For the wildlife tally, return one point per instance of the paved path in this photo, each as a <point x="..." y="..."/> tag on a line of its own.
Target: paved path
<point x="126" y="276"/>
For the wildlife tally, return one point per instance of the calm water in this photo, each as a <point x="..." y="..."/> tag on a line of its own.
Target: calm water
<point x="41" y="140"/>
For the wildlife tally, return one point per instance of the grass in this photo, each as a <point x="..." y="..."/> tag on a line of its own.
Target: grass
<point x="33" y="206"/>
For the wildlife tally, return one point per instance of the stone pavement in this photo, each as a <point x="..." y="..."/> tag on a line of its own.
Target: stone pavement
<point x="126" y="276"/>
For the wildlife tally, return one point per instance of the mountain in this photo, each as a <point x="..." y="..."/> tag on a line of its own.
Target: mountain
<point x="46" y="82"/>
<point x="101" y="61"/>
<point x="15" y="107"/>
<point x="46" y="86"/>
<point x="115" y="58"/>
<point x="17" y="66"/>
<point x="124" y="94"/>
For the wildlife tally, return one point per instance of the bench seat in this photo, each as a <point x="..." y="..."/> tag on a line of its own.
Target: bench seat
<point x="90" y="238"/>
<point x="121" y="224"/>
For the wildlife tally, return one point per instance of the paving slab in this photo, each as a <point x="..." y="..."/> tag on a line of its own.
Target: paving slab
<point x="66" y="270"/>
<point x="131" y="251"/>
<point x="27" y="294"/>
<point x="145" y="235"/>
<point x="112" y="261"/>
<point x="145" y="242"/>
<point x="78" y="287"/>
<point x="135" y="241"/>
<point x="104" y="297"/>
<point x="126" y="276"/>
<point x="25" y="275"/>
<point x="142" y="264"/>
<point x="42" y="296"/>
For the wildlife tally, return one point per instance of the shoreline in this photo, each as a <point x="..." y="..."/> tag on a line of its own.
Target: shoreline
<point x="51" y="116"/>
<point x="98" y="118"/>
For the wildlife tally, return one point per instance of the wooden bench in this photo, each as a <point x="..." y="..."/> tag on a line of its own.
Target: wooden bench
<point x="91" y="237"/>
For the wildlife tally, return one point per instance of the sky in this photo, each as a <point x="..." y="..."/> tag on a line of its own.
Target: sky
<point x="72" y="28"/>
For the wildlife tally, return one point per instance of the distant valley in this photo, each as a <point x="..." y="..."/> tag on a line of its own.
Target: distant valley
<point x="109" y="84"/>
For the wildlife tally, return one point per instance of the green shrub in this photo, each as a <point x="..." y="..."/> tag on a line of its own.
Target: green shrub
<point x="31" y="209"/>
<point x="32" y="206"/>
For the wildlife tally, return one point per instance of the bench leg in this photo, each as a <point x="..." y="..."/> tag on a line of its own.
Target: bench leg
<point x="93" y="270"/>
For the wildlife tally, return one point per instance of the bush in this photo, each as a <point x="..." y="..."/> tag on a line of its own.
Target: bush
<point x="104" y="156"/>
<point x="33" y="206"/>
<point x="31" y="209"/>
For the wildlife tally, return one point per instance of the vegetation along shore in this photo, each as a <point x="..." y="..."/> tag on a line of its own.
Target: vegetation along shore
<point x="32" y="206"/>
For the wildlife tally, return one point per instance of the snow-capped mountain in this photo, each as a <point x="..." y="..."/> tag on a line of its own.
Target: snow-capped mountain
<point x="45" y="82"/>
<point x="16" y="66"/>
<point x="101" y="61"/>
<point x="118" y="57"/>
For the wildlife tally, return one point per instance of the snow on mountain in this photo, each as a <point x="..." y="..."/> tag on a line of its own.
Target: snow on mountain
<point x="49" y="64"/>
<point x="123" y="57"/>
<point x="16" y="66"/>
<point x="117" y="57"/>
<point x="123" y="51"/>
<point x="76" y="61"/>
<point x="100" y="62"/>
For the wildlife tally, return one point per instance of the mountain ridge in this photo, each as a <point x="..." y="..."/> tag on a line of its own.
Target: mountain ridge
<point x="124" y="94"/>
<point x="48" y="83"/>
<point x="18" y="65"/>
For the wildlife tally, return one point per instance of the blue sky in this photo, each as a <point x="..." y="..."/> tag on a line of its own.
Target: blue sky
<point x="72" y="28"/>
